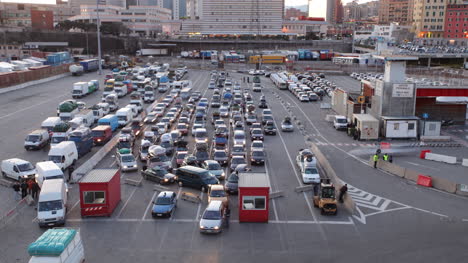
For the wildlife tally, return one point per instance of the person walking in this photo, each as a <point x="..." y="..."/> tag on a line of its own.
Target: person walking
<point x="16" y="189"/>
<point x="248" y="79"/>
<point x="376" y="158"/>
<point x="343" y="191"/>
<point x="71" y="168"/>
<point x="35" y="190"/>
<point x="24" y="189"/>
<point x="30" y="183"/>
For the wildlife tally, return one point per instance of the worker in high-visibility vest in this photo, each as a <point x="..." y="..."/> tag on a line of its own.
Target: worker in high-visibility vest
<point x="376" y="158"/>
<point x="385" y="157"/>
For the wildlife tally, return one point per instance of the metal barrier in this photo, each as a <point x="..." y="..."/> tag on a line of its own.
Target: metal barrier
<point x="12" y="213"/>
<point x="190" y="197"/>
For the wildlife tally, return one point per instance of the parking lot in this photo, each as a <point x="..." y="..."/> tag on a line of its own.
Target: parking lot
<point x="296" y="229"/>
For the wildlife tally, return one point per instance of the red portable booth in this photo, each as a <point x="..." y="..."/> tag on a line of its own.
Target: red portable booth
<point x="100" y="192"/>
<point x="254" y="189"/>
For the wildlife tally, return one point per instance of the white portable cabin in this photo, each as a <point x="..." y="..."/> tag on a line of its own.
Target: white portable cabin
<point x="367" y="125"/>
<point x="400" y="127"/>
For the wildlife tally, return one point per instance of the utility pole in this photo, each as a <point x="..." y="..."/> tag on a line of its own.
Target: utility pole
<point x="98" y="22"/>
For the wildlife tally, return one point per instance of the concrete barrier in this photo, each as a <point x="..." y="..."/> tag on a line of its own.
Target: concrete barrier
<point x="444" y="184"/>
<point x="465" y="162"/>
<point x="6" y="183"/>
<point x="34" y="82"/>
<point x="462" y="189"/>
<point x="304" y="188"/>
<point x="190" y="197"/>
<point x="436" y="138"/>
<point x="411" y="175"/>
<point x="348" y="202"/>
<point x="441" y="158"/>
<point x="160" y="188"/>
<point x="276" y="194"/>
<point x="133" y="182"/>
<point x="391" y="168"/>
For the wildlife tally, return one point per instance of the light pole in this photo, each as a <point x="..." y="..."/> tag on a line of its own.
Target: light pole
<point x="98" y="22"/>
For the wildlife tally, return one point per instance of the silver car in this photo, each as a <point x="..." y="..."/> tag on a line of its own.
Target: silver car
<point x="213" y="218"/>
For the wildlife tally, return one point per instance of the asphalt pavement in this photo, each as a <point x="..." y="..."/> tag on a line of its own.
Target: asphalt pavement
<point x="396" y="220"/>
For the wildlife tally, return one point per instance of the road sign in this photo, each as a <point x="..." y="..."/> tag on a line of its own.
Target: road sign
<point x="361" y="99"/>
<point x="425" y="115"/>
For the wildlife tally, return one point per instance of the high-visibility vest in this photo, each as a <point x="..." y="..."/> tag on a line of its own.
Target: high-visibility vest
<point x="385" y="157"/>
<point x="376" y="157"/>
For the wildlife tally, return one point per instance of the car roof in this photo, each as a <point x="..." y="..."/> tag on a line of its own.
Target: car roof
<point x="165" y="194"/>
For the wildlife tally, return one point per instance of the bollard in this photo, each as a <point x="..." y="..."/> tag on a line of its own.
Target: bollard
<point x="190" y="197"/>
<point x="132" y="182"/>
<point x="304" y="188"/>
<point x="276" y="194"/>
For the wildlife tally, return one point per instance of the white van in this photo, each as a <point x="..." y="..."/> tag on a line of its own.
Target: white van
<point x="52" y="205"/>
<point x="63" y="154"/>
<point x="36" y="139"/>
<point x="134" y="109"/>
<point x="49" y="123"/>
<point x="87" y="116"/>
<point x="17" y="169"/>
<point x="76" y="122"/>
<point x="47" y="171"/>
<point x="124" y="116"/>
<point x="340" y="122"/>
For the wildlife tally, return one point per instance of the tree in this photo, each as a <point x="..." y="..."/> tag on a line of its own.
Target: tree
<point x="114" y="28"/>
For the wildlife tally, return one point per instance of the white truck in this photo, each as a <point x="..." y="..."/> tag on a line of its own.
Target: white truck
<point x="52" y="204"/>
<point x="57" y="246"/>
<point x="63" y="154"/>
<point x="47" y="171"/>
<point x="151" y="51"/>
<point x="307" y="164"/>
<point x="76" y="70"/>
<point x="80" y="89"/>
<point x="87" y="116"/>
<point x="120" y="89"/>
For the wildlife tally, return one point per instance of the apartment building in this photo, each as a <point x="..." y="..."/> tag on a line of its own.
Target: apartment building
<point x="19" y="14"/>
<point x="429" y="18"/>
<point x="142" y="20"/>
<point x="396" y="11"/>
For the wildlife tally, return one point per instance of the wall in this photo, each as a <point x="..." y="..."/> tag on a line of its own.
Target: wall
<point x="456" y="112"/>
<point x="18" y="77"/>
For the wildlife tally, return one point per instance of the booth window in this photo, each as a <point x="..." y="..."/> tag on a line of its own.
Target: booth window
<point x="254" y="203"/>
<point x="410" y="126"/>
<point x="94" y="197"/>
<point x="396" y="126"/>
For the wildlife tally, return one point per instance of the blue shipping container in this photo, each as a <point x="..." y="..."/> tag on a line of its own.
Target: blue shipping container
<point x="90" y="65"/>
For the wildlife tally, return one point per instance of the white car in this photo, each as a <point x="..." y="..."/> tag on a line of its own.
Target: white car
<point x="250" y="118"/>
<point x="257" y="145"/>
<point x="304" y="98"/>
<point x="239" y="137"/>
<point x="126" y="160"/>
<point x="311" y="175"/>
<point x="223" y="112"/>
<point x="162" y="127"/>
<point x="257" y="87"/>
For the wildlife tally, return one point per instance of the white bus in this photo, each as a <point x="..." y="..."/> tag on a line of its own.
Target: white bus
<point x="185" y="93"/>
<point x="278" y="81"/>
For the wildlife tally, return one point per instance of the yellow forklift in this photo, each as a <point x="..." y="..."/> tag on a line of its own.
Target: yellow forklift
<point x="325" y="198"/>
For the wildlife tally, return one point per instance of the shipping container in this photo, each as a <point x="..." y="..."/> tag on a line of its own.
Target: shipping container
<point x="100" y="192"/>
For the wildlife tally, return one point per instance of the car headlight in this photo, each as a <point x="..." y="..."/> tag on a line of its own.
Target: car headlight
<point x="134" y="166"/>
<point x="125" y="167"/>
<point x="202" y="227"/>
<point x="98" y="140"/>
<point x="222" y="175"/>
<point x="166" y="180"/>
<point x="216" y="227"/>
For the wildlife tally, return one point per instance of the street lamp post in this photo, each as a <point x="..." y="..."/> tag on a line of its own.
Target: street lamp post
<point x="98" y="22"/>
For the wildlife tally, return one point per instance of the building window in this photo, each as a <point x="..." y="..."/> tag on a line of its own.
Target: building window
<point x="396" y="126"/>
<point x="254" y="202"/>
<point x="411" y="126"/>
<point x="94" y="197"/>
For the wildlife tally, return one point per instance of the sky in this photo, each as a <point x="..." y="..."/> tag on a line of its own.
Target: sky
<point x="30" y="1"/>
<point x="319" y="9"/>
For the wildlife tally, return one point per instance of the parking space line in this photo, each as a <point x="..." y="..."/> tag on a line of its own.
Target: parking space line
<point x="126" y="202"/>
<point x="199" y="206"/>
<point x="149" y="204"/>
<point x="77" y="202"/>
<point x="269" y="181"/>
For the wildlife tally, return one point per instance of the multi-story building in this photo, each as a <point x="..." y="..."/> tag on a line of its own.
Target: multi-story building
<point x="242" y="17"/>
<point x="19" y="15"/>
<point x="142" y="20"/>
<point x="194" y="9"/>
<point x="396" y="11"/>
<point x="429" y="18"/>
<point x="303" y="27"/>
<point x="456" y="20"/>
<point x="294" y="13"/>
<point x="334" y="11"/>
<point x="354" y="11"/>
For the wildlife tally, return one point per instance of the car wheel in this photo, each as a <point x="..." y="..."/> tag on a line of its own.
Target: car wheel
<point x="4" y="174"/>
<point x="181" y="184"/>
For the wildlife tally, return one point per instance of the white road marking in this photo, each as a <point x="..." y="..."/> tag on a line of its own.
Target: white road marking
<point x="149" y="205"/>
<point x="272" y="200"/>
<point x="32" y="106"/>
<point x="126" y="202"/>
<point x="77" y="202"/>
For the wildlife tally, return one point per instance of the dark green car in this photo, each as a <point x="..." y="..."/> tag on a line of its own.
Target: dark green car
<point x="159" y="175"/>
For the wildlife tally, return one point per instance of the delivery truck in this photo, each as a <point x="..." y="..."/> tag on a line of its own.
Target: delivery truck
<point x="90" y="65"/>
<point x="58" y="245"/>
<point x="83" y="140"/>
<point x="76" y="70"/>
<point x="151" y="52"/>
<point x="52" y="204"/>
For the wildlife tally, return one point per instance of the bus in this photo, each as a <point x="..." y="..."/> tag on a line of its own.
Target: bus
<point x="185" y="93"/>
<point x="278" y="81"/>
<point x="267" y="59"/>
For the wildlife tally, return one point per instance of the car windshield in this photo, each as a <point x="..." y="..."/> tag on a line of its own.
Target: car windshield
<point x="341" y="120"/>
<point x="214" y="166"/>
<point x="144" y="149"/>
<point x="218" y="193"/>
<point x="97" y="133"/>
<point x="237" y="149"/>
<point x="128" y="158"/>
<point x="238" y="160"/>
<point x="57" y="139"/>
<point x="257" y="145"/>
<point x="160" y="158"/>
<point x="163" y="201"/>
<point x="122" y="118"/>
<point x="50" y="205"/>
<point x="220" y="154"/>
<point x="165" y="144"/>
<point x="257" y="153"/>
<point x="202" y="154"/>
<point x="257" y="132"/>
<point x="212" y="215"/>
<point x="124" y="145"/>
<point x="33" y="138"/>
<point x="201" y="134"/>
<point x="239" y="136"/>
<point x="311" y="171"/>
<point x="233" y="178"/>
<point x="181" y="155"/>
<point x="25" y="167"/>
<point x="55" y="158"/>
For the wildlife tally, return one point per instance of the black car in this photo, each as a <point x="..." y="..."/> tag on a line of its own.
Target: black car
<point x="159" y="175"/>
<point x="257" y="157"/>
<point x="269" y="128"/>
<point x="189" y="160"/>
<point x="262" y="105"/>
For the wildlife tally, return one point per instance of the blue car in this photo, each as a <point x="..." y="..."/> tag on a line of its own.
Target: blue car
<point x="164" y="204"/>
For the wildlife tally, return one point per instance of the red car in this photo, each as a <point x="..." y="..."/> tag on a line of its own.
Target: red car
<point x="183" y="128"/>
<point x="180" y="156"/>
